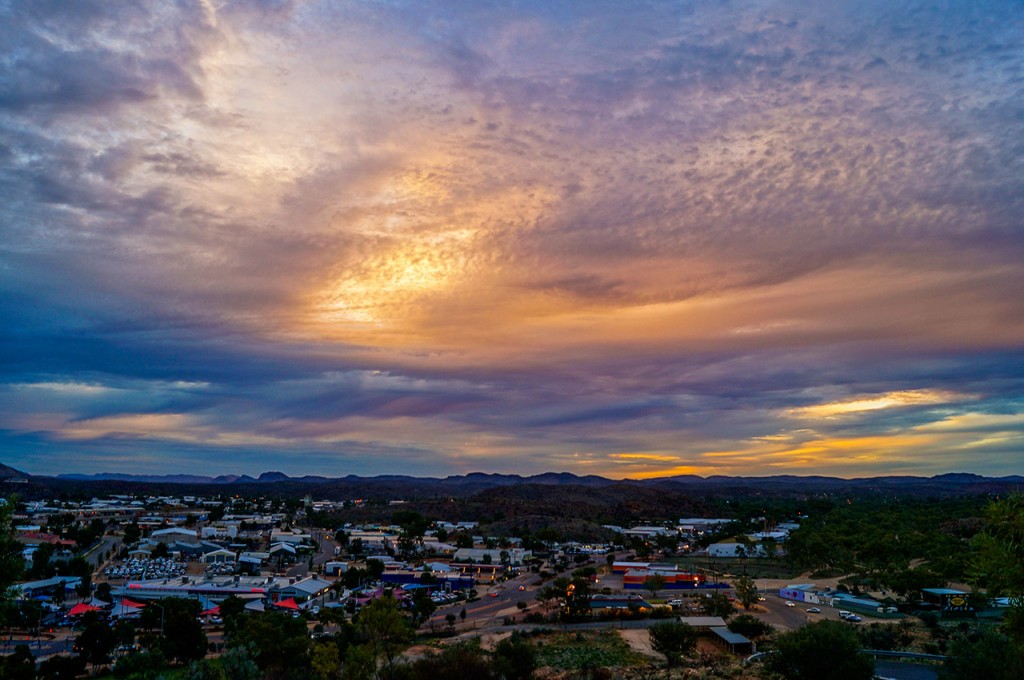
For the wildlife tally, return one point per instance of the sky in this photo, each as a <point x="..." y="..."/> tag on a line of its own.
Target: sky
<point x="631" y="239"/>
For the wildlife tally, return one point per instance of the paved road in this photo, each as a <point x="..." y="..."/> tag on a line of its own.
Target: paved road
<point x="905" y="671"/>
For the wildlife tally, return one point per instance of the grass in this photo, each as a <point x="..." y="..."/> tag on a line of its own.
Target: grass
<point x="586" y="649"/>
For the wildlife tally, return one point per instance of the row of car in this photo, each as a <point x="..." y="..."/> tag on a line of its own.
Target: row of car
<point x="158" y="567"/>
<point x="843" y="614"/>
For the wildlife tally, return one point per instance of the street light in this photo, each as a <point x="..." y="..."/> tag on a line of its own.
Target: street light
<point x="161" y="608"/>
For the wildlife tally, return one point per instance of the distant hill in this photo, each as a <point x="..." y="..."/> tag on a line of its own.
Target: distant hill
<point x="8" y="473"/>
<point x="464" y="486"/>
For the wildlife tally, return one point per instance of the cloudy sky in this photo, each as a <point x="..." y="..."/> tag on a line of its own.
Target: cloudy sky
<point x="620" y="238"/>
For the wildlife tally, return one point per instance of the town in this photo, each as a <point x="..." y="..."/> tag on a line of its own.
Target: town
<point x="273" y="586"/>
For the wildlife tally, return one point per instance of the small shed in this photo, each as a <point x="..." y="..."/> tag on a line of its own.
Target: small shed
<point x="734" y="642"/>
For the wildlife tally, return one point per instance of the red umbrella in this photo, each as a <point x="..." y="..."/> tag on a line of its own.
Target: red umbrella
<point x="82" y="608"/>
<point x="290" y="603"/>
<point x="128" y="603"/>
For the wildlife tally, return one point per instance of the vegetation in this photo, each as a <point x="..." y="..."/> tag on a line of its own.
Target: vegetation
<point x="586" y="650"/>
<point x="826" y="649"/>
<point x="674" y="640"/>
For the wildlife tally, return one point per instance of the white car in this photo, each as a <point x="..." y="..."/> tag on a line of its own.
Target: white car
<point x="813" y="610"/>
<point x="790" y="604"/>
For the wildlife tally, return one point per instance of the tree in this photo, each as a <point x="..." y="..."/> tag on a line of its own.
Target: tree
<point x="450" y="619"/>
<point x="20" y="665"/>
<point x="374" y="569"/>
<point x="277" y="642"/>
<point x="142" y="665"/>
<point x="673" y="639"/>
<point x="460" y="660"/>
<point x="654" y="583"/>
<point x="232" y="609"/>
<point x="826" y="649"/>
<point x="750" y="626"/>
<point x="62" y="668"/>
<point x="746" y="592"/>
<point x="239" y="663"/>
<point x="203" y="669"/>
<point x="326" y="661"/>
<point x="987" y="655"/>
<point x="423" y="605"/>
<point x="717" y="604"/>
<point x="386" y="631"/>
<point x="96" y="641"/>
<point x="998" y="561"/>
<point x="183" y="637"/>
<point x="132" y="533"/>
<point x="514" y="658"/>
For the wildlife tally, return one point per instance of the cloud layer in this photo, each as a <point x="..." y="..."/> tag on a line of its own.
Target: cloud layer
<point x="632" y="240"/>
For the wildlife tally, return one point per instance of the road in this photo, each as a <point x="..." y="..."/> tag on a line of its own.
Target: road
<point x="905" y="671"/>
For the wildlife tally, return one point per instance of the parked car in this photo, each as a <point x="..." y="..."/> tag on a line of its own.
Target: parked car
<point x="813" y="610"/>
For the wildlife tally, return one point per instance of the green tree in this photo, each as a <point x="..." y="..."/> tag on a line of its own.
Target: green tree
<point x="239" y="663"/>
<point x="673" y="639"/>
<point x="750" y="626"/>
<point x="145" y="665"/>
<point x="746" y="592"/>
<point x="653" y="583"/>
<point x="182" y="638"/>
<point x="325" y="661"/>
<point x="62" y="668"/>
<point x="515" y="658"/>
<point x="232" y="609"/>
<point x="423" y="606"/>
<point x="987" y="655"/>
<point x="385" y="630"/>
<point x="41" y="562"/>
<point x="20" y="665"/>
<point x="998" y="560"/>
<point x="717" y="604"/>
<point x="132" y="533"/>
<point x="96" y="641"/>
<point x="278" y="643"/>
<point x="204" y="669"/>
<point x="826" y="649"/>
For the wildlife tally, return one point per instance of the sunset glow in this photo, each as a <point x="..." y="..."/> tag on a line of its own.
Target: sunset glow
<point x="632" y="240"/>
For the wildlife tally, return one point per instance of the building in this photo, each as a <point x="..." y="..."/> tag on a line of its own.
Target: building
<point x="174" y="535"/>
<point x="803" y="592"/>
<point x="735" y="550"/>
<point x="511" y="556"/>
<point x="734" y="642"/>
<point x="950" y="602"/>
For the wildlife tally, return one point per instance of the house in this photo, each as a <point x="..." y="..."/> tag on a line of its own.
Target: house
<point x="300" y="590"/>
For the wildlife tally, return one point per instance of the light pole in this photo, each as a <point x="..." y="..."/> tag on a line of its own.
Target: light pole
<point x="161" y="608"/>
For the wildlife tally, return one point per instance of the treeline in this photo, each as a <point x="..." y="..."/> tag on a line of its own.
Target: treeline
<point x="900" y="545"/>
